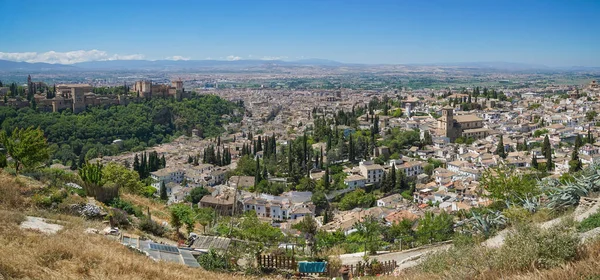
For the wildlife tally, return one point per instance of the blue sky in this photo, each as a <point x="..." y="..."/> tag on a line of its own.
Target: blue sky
<point x="555" y="33"/>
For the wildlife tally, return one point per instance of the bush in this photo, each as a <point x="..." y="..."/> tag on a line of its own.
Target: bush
<point x="119" y="217"/>
<point x="591" y="222"/>
<point x="127" y="207"/>
<point x="150" y="226"/>
<point x="531" y="247"/>
<point x="517" y="215"/>
<point x="212" y="261"/>
<point x="528" y="248"/>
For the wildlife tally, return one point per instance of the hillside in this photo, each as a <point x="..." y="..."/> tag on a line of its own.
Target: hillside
<point x="71" y="253"/>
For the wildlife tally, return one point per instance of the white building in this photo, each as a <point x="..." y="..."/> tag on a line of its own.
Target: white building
<point x="355" y="181"/>
<point x="372" y="172"/>
<point x="167" y="175"/>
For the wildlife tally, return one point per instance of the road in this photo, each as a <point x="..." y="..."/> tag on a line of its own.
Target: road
<point x="349" y="259"/>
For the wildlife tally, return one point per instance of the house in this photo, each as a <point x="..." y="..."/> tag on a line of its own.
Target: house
<point x="222" y="204"/>
<point x="167" y="175"/>
<point x="355" y="181"/>
<point x="241" y="182"/>
<point x="391" y="201"/>
<point x="412" y="168"/>
<point x="372" y="172"/>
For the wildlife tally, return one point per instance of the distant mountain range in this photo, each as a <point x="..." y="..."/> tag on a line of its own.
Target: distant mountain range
<point x="171" y="65"/>
<point x="6" y="65"/>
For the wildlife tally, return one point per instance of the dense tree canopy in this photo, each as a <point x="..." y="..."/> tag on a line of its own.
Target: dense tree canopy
<point x="138" y="124"/>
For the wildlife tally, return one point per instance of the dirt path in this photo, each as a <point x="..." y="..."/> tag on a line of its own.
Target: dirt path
<point x="399" y="257"/>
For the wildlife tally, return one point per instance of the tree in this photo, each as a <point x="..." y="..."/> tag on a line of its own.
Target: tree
<point x="575" y="163"/>
<point x="591" y="115"/>
<point x="351" y="147"/>
<point x="308" y="226"/>
<point x="196" y="195"/>
<point x="319" y="200"/>
<point x="181" y="215"/>
<point x="401" y="231"/>
<point x="428" y="169"/>
<point x="306" y="184"/>
<point x="534" y="162"/>
<point x="505" y="184"/>
<point x="370" y="230"/>
<point x="500" y="149"/>
<point x="326" y="181"/>
<point x="163" y="191"/>
<point x="123" y="178"/>
<point x="205" y="217"/>
<point x="95" y="185"/>
<point x="547" y="150"/>
<point x="27" y="147"/>
<point x="432" y="228"/>
<point x="357" y="198"/>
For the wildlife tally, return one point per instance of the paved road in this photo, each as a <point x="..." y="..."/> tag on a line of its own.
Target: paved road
<point x="349" y="259"/>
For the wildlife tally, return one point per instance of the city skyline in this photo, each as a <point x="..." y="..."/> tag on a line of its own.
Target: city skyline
<point x="552" y="33"/>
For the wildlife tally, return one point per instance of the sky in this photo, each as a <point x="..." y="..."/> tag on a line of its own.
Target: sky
<point x="547" y="32"/>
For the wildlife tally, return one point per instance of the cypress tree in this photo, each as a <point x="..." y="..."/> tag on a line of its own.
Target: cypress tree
<point x="351" y="154"/>
<point x="534" y="162"/>
<point x="500" y="149"/>
<point x="163" y="191"/>
<point x="136" y="164"/>
<point x="257" y="173"/>
<point x="326" y="178"/>
<point x="289" y="158"/>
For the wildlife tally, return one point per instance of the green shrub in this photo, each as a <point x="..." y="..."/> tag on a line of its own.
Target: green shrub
<point x="591" y="222"/>
<point x="151" y="226"/>
<point x="528" y="248"/>
<point x="212" y="261"/>
<point x="127" y="207"/>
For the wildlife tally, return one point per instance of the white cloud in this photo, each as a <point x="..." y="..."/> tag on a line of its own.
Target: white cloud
<point x="233" y="57"/>
<point x="177" y="57"/>
<point x="67" y="57"/>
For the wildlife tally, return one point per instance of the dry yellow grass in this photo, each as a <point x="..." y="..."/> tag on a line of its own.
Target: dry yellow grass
<point x="71" y="253"/>
<point x="159" y="211"/>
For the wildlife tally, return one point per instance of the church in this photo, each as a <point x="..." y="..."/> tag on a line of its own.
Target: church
<point x="466" y="126"/>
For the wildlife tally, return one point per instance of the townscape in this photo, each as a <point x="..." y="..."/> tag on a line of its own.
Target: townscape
<point x="299" y="140"/>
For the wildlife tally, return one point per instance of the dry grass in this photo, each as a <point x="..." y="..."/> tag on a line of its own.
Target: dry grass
<point x="585" y="268"/>
<point x="158" y="210"/>
<point x="16" y="193"/>
<point x="70" y="254"/>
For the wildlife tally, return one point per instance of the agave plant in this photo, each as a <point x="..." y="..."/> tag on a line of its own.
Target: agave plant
<point x="484" y="224"/>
